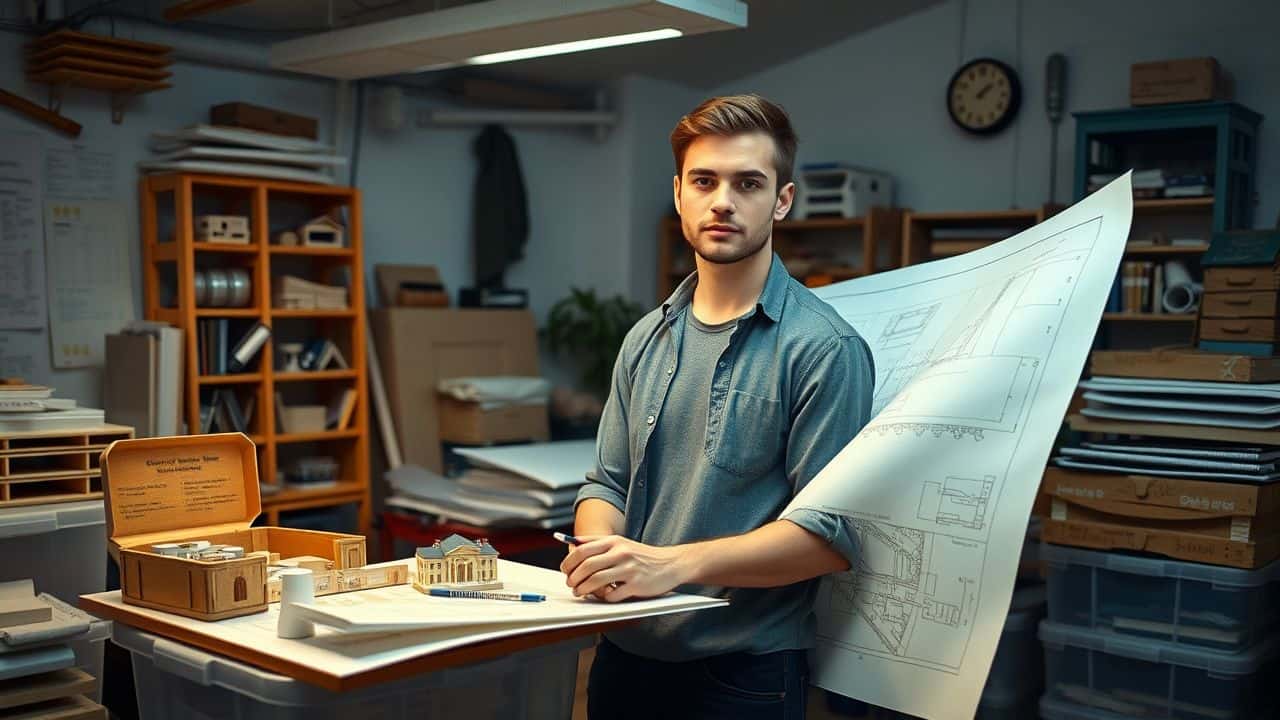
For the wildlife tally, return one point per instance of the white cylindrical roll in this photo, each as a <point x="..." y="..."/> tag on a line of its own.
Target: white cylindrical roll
<point x="296" y="586"/>
<point x="1181" y="293"/>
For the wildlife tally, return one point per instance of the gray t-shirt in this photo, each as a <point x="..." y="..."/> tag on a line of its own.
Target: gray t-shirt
<point x="709" y="432"/>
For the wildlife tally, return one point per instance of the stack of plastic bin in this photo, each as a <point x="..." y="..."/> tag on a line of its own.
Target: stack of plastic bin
<point x="1130" y="636"/>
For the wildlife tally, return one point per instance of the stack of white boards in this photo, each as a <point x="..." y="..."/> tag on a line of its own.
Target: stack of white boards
<point x="223" y="150"/>
<point x="532" y="485"/>
<point x="1187" y="402"/>
<point x="38" y="673"/>
<point x="1177" y="459"/>
<point x="25" y="408"/>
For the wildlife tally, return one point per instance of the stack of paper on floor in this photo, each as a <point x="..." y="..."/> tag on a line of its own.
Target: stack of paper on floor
<point x="530" y="485"/>
<point x="32" y="407"/>
<point x="236" y="151"/>
<point x="1186" y="402"/>
<point x="38" y="677"/>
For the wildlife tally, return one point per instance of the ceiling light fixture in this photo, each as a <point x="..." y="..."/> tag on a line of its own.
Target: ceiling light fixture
<point x="498" y="31"/>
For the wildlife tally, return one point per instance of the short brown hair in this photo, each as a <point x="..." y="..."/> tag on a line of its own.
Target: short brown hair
<point x="734" y="114"/>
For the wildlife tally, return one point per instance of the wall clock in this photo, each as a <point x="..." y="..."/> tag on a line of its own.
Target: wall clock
<point x="983" y="96"/>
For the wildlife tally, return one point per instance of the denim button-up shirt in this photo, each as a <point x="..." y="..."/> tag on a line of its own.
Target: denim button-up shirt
<point x="792" y="388"/>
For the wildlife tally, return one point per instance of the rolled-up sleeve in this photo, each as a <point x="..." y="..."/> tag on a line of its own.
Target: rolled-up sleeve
<point x="832" y="405"/>
<point x="611" y="476"/>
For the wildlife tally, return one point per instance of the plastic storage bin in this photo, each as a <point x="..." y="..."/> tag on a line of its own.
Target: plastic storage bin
<point x="1017" y="670"/>
<point x="177" y="681"/>
<point x="1188" y="603"/>
<point x="1138" y="677"/>
<point x="62" y="547"/>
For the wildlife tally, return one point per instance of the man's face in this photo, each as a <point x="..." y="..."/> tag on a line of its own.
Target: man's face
<point x="728" y="196"/>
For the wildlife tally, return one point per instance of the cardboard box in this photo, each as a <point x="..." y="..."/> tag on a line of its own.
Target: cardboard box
<point x="1214" y="498"/>
<point x="1217" y="522"/>
<point x="1183" y="363"/>
<point x="469" y="424"/>
<point x="1235" y="511"/>
<point x="1182" y="546"/>
<point x="1178" y="81"/>
<point x="264" y="119"/>
<point x="419" y="347"/>
<point x="200" y="487"/>
<point x="303" y="419"/>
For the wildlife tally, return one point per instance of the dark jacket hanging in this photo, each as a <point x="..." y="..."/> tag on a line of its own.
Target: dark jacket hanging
<point x="501" y="222"/>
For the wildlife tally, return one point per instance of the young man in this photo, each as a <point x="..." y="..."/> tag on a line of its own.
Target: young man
<point x="726" y="401"/>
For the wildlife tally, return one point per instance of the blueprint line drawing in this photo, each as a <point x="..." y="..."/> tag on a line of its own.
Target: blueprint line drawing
<point x="977" y="357"/>
<point x="906" y="581"/>
<point x="956" y="501"/>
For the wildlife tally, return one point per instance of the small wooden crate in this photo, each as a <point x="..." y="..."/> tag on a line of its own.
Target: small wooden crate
<point x="47" y="466"/>
<point x="200" y="487"/>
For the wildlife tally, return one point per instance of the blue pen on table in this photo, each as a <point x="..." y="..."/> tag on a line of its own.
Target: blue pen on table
<point x="487" y="595"/>
<point x="566" y="539"/>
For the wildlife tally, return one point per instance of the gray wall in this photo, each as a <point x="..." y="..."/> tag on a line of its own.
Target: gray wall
<point x="877" y="99"/>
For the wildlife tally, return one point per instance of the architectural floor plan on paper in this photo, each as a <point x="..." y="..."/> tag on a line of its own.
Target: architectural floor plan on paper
<point x="957" y="372"/>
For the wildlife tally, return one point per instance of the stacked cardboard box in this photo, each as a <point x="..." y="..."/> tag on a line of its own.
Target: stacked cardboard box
<point x="1220" y="523"/>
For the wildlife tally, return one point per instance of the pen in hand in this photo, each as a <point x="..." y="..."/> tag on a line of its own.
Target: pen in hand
<point x="566" y="539"/>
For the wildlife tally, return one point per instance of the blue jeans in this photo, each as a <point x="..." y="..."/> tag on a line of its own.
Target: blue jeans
<point x="734" y="686"/>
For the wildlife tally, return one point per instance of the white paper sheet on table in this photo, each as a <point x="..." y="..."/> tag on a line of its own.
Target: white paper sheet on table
<point x="977" y="357"/>
<point x="403" y="609"/>
<point x="345" y="654"/>
<point x="554" y="464"/>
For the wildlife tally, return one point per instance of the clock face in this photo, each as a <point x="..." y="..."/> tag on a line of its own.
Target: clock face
<point x="983" y="96"/>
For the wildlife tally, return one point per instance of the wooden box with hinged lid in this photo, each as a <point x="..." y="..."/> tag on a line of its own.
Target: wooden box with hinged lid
<point x="192" y="488"/>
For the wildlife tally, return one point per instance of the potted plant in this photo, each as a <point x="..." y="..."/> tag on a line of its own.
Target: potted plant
<point x="588" y="329"/>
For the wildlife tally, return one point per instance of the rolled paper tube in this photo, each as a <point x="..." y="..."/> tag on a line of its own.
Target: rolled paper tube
<point x="1181" y="294"/>
<point x="296" y="586"/>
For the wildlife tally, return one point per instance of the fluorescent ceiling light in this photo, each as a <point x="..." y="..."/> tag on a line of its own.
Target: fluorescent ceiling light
<point x="483" y="33"/>
<point x="574" y="46"/>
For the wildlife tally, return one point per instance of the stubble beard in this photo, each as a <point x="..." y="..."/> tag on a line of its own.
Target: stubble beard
<point x="752" y="245"/>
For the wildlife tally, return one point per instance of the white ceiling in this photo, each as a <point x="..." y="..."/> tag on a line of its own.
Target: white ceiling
<point x="777" y="30"/>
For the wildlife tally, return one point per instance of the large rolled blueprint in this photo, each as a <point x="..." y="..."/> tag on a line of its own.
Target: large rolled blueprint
<point x="976" y="357"/>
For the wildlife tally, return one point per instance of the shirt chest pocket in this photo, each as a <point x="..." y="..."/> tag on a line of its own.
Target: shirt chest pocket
<point x="749" y="441"/>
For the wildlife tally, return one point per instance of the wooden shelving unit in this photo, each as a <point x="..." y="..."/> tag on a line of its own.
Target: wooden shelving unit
<point x="934" y="235"/>
<point x="1217" y="139"/>
<point x="817" y="251"/>
<point x="171" y="256"/>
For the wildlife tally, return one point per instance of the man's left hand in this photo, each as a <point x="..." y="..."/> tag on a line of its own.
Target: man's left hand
<point x="614" y="568"/>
